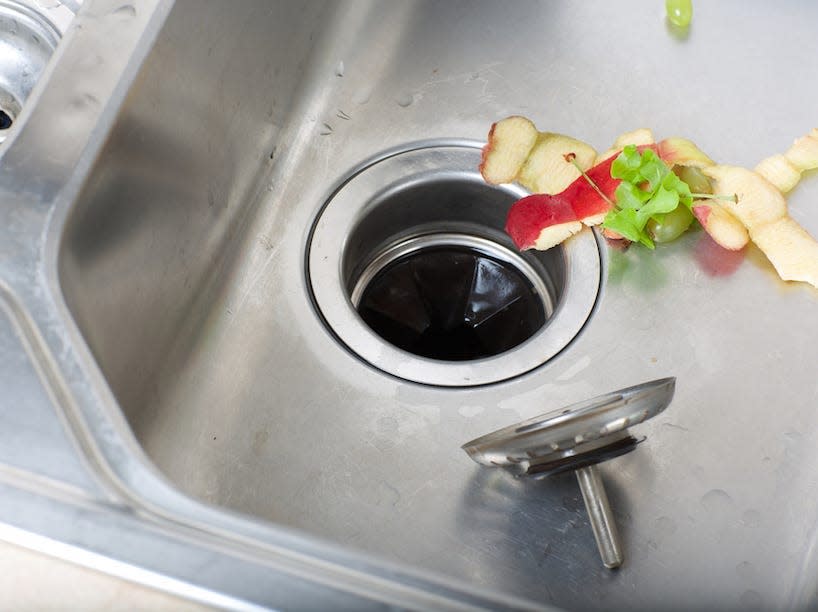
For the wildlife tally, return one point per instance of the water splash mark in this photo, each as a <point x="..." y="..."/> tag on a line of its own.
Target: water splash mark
<point x="717" y="501"/>
<point x="362" y="96"/>
<point x="665" y="525"/>
<point x="126" y="11"/>
<point x="405" y="99"/>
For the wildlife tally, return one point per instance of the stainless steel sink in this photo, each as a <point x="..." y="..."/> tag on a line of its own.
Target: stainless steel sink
<point x="160" y="265"/>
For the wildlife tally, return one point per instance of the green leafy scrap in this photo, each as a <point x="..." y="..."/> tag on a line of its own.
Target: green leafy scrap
<point x="649" y="190"/>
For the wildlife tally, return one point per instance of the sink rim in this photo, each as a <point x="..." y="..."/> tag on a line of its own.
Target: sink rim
<point x="411" y="164"/>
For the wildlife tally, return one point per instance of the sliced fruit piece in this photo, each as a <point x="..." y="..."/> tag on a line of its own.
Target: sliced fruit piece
<point x="546" y="169"/>
<point x="638" y="137"/>
<point x="780" y="172"/>
<point x="759" y="201"/>
<point x="509" y="143"/>
<point x="792" y="251"/>
<point x="682" y="152"/>
<point x="803" y="154"/>
<point x="727" y="231"/>
<point x="592" y="220"/>
<point x="531" y="219"/>
<point x="541" y="221"/>
<point x="556" y="234"/>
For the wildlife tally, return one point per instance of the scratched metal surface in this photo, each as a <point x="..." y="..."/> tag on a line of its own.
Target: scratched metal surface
<point x="253" y="406"/>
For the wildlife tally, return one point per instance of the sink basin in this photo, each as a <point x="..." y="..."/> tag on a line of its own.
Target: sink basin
<point x="183" y="259"/>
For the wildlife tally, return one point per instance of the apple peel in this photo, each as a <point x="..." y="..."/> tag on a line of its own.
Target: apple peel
<point x="682" y="152"/>
<point x="780" y="172"/>
<point x="638" y="137"/>
<point x="758" y="201"/>
<point x="725" y="230"/>
<point x="803" y="154"/>
<point x="509" y="142"/>
<point x="546" y="169"/>
<point x="763" y="211"/>
<point x="791" y="250"/>
<point x="541" y="221"/>
<point x="784" y="170"/>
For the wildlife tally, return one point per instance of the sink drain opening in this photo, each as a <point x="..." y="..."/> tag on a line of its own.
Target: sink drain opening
<point x="410" y="268"/>
<point x="5" y="120"/>
<point x="452" y="297"/>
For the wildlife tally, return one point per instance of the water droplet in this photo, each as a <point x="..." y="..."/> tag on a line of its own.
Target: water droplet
<point x="717" y="500"/>
<point x="751" y="518"/>
<point x="665" y="525"/>
<point x="126" y="10"/>
<point x="362" y="96"/>
<point x="470" y="411"/>
<point x="405" y="100"/>
<point x="339" y="69"/>
<point x="751" y="599"/>
<point x="745" y="570"/>
<point x="326" y="129"/>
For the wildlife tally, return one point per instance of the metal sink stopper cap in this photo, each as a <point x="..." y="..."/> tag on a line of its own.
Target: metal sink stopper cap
<point x="577" y="438"/>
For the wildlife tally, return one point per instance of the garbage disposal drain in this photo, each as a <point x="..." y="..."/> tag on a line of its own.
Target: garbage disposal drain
<point x="410" y="269"/>
<point x="449" y="298"/>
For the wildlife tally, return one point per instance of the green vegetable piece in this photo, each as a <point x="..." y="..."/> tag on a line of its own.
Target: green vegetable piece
<point x="624" y="223"/>
<point x="653" y="172"/>
<point x="626" y="165"/>
<point x="663" y="202"/>
<point x="647" y="199"/>
<point x="679" y="12"/>
<point x="671" y="182"/>
<point x="628" y="195"/>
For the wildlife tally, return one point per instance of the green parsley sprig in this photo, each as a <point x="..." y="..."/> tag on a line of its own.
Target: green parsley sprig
<point x="649" y="190"/>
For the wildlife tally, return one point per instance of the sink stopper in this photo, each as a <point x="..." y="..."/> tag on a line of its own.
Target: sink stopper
<point x="576" y="438"/>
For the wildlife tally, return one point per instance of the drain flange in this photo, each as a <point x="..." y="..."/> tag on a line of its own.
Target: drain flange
<point x="410" y="269"/>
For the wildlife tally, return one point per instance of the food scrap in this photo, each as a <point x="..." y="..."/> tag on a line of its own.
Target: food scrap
<point x="648" y="192"/>
<point x="679" y="12"/>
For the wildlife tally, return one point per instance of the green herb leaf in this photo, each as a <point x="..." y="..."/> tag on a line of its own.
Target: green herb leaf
<point x="626" y="165"/>
<point x="648" y="190"/>
<point x="663" y="202"/>
<point x="629" y="195"/>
